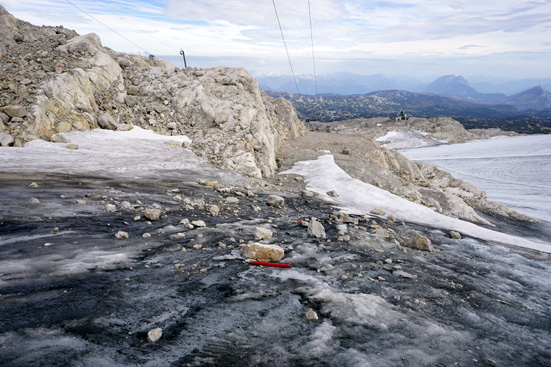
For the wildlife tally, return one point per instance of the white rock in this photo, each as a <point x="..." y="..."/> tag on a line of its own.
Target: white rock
<point x="121" y="234"/>
<point x="276" y="201"/>
<point x="311" y="315"/>
<point x="152" y="214"/>
<point x="316" y="229"/>
<point x="261" y="233"/>
<point x="199" y="223"/>
<point x="154" y="335"/>
<point x="261" y="252"/>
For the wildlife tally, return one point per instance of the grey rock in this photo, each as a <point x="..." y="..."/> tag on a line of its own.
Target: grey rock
<point x="276" y="201"/>
<point x="378" y="211"/>
<point x="124" y="63"/>
<point x="5" y="139"/>
<point x="420" y="242"/>
<point x="455" y="235"/>
<point x="316" y="229"/>
<point x="333" y="194"/>
<point x="261" y="233"/>
<point x="15" y="111"/>
<point x="57" y="138"/>
<point x="106" y="121"/>
<point x="152" y="214"/>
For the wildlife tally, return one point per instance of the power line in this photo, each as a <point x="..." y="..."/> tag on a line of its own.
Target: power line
<point x="106" y="26"/>
<point x="286" y="49"/>
<point x="132" y="24"/>
<point x="312" y="39"/>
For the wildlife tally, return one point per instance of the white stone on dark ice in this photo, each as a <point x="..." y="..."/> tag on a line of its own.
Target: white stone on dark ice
<point x="199" y="223"/>
<point x="276" y="201"/>
<point x="261" y="233"/>
<point x="261" y="252"/>
<point x="110" y="208"/>
<point x="125" y="205"/>
<point x="311" y="315"/>
<point x="154" y="335"/>
<point x="121" y="234"/>
<point x="420" y="242"/>
<point x="152" y="214"/>
<point x="316" y="229"/>
<point x="455" y="235"/>
<point x="34" y="201"/>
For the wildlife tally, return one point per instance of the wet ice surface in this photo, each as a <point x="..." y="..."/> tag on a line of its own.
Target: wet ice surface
<point x="514" y="171"/>
<point x="408" y="139"/>
<point x="89" y="299"/>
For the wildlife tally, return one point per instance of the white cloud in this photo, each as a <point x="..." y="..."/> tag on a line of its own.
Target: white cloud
<point x="343" y="30"/>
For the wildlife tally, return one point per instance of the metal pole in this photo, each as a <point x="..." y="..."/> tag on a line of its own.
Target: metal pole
<point x="184" y="55"/>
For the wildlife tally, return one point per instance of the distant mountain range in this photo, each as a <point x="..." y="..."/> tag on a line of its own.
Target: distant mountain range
<point x="335" y="107"/>
<point x="455" y="87"/>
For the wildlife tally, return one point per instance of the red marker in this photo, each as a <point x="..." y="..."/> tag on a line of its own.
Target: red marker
<point x="276" y="265"/>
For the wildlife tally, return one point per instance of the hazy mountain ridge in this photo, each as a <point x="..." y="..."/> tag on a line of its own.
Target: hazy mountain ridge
<point x="328" y="108"/>
<point x="449" y="85"/>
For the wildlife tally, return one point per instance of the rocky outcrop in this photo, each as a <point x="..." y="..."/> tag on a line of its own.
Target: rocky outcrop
<point x="420" y="182"/>
<point x="437" y="128"/>
<point x="68" y="82"/>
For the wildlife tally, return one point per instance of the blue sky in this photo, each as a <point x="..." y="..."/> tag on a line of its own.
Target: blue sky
<point x="504" y="39"/>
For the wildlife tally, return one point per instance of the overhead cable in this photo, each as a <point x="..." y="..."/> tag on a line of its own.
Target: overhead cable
<point x="313" y="57"/>
<point x="106" y="26"/>
<point x="132" y="24"/>
<point x="286" y="49"/>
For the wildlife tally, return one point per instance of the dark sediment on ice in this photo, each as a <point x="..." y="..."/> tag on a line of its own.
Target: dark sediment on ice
<point x="71" y="293"/>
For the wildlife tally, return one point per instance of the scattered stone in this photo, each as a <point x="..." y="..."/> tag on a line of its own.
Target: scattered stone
<point x="146" y="235"/>
<point x="199" y="223"/>
<point x="5" y="139"/>
<point x="34" y="201"/>
<point x="261" y="233"/>
<point x="392" y="218"/>
<point x="81" y="201"/>
<point x="403" y="274"/>
<point x="57" y="138"/>
<point x="71" y="146"/>
<point x="152" y="214"/>
<point x="316" y="229"/>
<point x="106" y="121"/>
<point x="110" y="208"/>
<point x="276" y="201"/>
<point x="154" y="335"/>
<point x="232" y="200"/>
<point x="15" y="111"/>
<point x="125" y="205"/>
<point x="307" y="193"/>
<point x="34" y="184"/>
<point x="121" y="234"/>
<point x="378" y="211"/>
<point x="256" y="208"/>
<point x="214" y="210"/>
<point x="137" y="218"/>
<point x="261" y="252"/>
<point x="48" y="244"/>
<point x="455" y="235"/>
<point x="346" y="151"/>
<point x="420" y="242"/>
<point x="311" y="315"/>
<point x="333" y="193"/>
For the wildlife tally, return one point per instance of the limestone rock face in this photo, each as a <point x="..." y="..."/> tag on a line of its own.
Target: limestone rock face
<point x="65" y="82"/>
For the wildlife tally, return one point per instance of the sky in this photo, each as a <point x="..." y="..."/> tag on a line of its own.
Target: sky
<point x="502" y="39"/>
